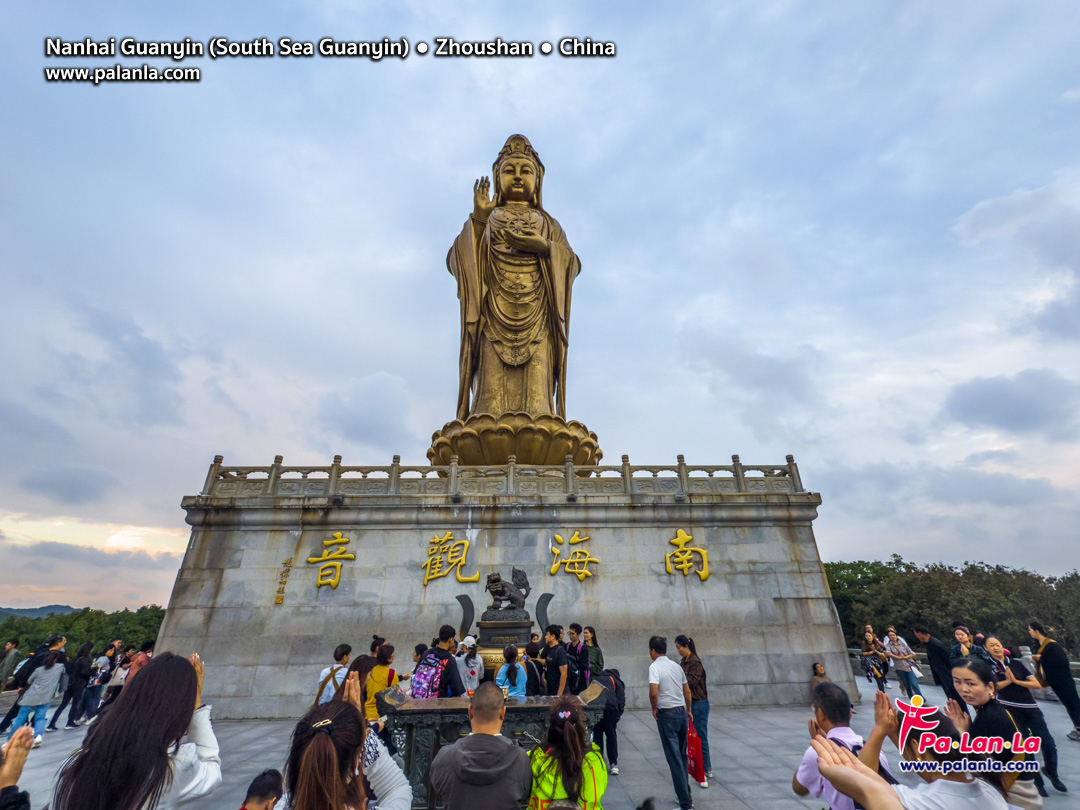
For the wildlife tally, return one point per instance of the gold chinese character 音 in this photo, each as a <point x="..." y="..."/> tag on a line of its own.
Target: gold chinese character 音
<point x="683" y="557"/>
<point x="577" y="563"/>
<point x="330" y="561"/>
<point x="445" y="555"/>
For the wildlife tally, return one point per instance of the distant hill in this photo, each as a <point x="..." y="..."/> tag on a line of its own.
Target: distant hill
<point x="36" y="613"/>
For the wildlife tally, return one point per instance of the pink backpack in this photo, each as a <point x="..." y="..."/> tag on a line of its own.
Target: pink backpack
<point x="428" y="676"/>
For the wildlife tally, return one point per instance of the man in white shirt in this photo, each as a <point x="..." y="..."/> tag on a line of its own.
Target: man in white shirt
<point x="832" y="717"/>
<point x="333" y="676"/>
<point x="669" y="694"/>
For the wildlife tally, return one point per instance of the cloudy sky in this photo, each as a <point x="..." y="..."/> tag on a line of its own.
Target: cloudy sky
<point x="846" y="231"/>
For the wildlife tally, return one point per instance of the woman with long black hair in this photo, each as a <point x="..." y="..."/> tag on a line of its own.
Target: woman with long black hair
<point x="699" y="697"/>
<point x="596" y="655"/>
<point x="566" y="765"/>
<point x="133" y="759"/>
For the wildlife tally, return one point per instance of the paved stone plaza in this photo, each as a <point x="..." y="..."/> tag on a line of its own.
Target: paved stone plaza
<point x="755" y="753"/>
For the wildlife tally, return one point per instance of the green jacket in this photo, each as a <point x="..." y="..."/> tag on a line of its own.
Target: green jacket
<point x="7" y="665"/>
<point x="596" y="659"/>
<point x="547" y="781"/>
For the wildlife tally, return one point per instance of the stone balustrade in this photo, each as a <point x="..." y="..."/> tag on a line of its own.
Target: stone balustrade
<point x="454" y="481"/>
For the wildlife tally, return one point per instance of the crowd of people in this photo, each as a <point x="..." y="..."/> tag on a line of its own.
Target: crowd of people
<point x="989" y="697"/>
<point x="90" y="683"/>
<point x="151" y="745"/>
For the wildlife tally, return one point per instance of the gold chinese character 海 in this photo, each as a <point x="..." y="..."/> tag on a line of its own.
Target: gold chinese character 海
<point x="456" y="552"/>
<point x="578" y="561"/>
<point x="330" y="561"/>
<point x="683" y="557"/>
<point x="288" y="562"/>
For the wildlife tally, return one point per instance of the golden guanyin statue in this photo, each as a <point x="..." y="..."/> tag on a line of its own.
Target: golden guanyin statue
<point x="515" y="271"/>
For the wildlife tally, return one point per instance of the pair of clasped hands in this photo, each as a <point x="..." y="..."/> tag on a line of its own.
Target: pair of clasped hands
<point x="526" y="241"/>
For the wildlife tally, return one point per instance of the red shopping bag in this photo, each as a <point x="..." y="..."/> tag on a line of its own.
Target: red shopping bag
<point x="696" y="767"/>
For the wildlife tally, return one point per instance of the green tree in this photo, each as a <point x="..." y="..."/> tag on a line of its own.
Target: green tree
<point x="95" y="626"/>
<point x="988" y="598"/>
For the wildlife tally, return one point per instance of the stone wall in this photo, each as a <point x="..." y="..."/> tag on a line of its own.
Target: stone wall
<point x="760" y="619"/>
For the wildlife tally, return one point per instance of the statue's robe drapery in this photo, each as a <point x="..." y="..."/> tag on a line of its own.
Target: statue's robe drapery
<point x="515" y="315"/>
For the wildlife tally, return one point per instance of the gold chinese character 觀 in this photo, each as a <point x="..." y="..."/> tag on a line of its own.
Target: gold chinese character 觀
<point x="577" y="563"/>
<point x="330" y="561"/>
<point x="683" y="557"/>
<point x="445" y="555"/>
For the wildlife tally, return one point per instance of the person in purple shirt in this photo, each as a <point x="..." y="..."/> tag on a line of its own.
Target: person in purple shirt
<point x="832" y="718"/>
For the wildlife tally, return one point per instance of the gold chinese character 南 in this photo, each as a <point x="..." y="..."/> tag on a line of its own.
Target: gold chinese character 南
<point x="330" y="561"/>
<point x="683" y="557"/>
<point x="445" y="555"/>
<point x="278" y="600"/>
<point x="577" y="563"/>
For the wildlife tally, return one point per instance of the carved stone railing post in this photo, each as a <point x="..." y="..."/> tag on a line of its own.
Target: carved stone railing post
<point x="740" y="479"/>
<point x="453" y="486"/>
<point x="211" y="476"/>
<point x="395" y="473"/>
<point x="511" y="468"/>
<point x="684" y="479"/>
<point x="569" y="475"/>
<point x="335" y="473"/>
<point x="275" y="472"/>
<point x="796" y="480"/>
<point x="627" y="476"/>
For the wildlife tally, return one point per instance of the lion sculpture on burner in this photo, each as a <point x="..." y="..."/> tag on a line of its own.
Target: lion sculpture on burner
<point x="513" y="592"/>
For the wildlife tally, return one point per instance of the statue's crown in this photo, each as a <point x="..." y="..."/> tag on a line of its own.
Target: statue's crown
<point x="518" y="146"/>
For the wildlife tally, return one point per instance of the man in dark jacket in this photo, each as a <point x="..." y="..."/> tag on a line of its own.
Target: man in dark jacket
<point x="9" y="658"/>
<point x="938" y="656"/>
<point x="484" y="769"/>
<point x="613" y="710"/>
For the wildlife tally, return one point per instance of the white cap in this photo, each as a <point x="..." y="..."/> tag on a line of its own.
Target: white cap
<point x="468" y="641"/>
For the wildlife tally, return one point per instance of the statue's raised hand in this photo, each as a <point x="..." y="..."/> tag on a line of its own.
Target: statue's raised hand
<point x="526" y="241"/>
<point x="483" y="205"/>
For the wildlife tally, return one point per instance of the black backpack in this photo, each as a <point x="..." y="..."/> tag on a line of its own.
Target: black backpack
<point x="574" y="679"/>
